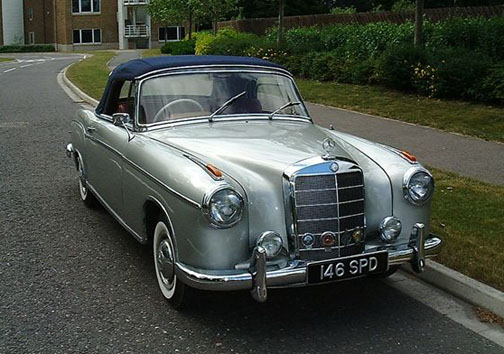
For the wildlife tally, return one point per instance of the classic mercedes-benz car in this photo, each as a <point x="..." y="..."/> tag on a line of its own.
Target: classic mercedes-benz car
<point x="216" y="162"/>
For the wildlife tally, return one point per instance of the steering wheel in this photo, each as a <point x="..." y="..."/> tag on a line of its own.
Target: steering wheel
<point x="172" y="103"/>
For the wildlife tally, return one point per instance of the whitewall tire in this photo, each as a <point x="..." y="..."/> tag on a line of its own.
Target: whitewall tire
<point x="164" y="263"/>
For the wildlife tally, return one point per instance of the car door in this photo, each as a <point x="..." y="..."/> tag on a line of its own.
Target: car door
<point x="104" y="167"/>
<point x="107" y="143"/>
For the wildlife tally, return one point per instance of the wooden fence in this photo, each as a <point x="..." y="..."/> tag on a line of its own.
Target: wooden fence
<point x="261" y="25"/>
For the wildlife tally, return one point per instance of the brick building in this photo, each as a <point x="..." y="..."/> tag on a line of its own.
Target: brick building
<point x="93" y="24"/>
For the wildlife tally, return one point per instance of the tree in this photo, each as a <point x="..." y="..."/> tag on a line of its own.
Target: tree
<point x="214" y="10"/>
<point x="175" y="12"/>
<point x="281" y="9"/>
<point x="419" y="11"/>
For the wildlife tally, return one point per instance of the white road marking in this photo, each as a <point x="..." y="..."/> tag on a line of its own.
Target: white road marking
<point x="6" y="71"/>
<point x="25" y="66"/>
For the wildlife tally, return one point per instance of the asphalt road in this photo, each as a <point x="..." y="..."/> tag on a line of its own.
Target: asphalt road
<point x="72" y="280"/>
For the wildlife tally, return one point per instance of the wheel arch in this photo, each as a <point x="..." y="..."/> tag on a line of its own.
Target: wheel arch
<point x="153" y="210"/>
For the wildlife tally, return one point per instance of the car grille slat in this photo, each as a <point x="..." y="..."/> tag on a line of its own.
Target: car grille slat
<point x="330" y="202"/>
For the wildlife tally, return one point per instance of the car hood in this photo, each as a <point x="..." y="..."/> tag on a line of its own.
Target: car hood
<point x="254" y="154"/>
<point x="261" y="147"/>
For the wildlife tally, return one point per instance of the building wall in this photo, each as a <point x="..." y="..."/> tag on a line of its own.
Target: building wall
<point x="1" y="24"/>
<point x="12" y="22"/>
<point x="42" y="21"/>
<point x="67" y="22"/>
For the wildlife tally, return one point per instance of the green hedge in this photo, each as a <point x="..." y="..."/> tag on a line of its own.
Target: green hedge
<point x="185" y="47"/>
<point x="27" y="48"/>
<point x="463" y="57"/>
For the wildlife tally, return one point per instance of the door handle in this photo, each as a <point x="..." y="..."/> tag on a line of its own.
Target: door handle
<point x="91" y="129"/>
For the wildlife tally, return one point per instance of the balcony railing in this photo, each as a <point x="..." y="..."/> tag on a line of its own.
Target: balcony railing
<point x="135" y="2"/>
<point x="132" y="31"/>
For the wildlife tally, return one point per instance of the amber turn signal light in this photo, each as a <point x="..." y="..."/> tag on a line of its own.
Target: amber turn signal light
<point x="409" y="156"/>
<point x="214" y="170"/>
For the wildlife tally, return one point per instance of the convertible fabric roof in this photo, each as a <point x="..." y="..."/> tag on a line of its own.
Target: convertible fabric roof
<point x="139" y="67"/>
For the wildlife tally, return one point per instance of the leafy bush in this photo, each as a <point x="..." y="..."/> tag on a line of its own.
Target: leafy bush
<point x="203" y="41"/>
<point x="458" y="73"/>
<point x="403" y="5"/>
<point x="395" y="67"/>
<point x="343" y="10"/>
<point x="491" y="88"/>
<point x="184" y="47"/>
<point x="226" y="42"/>
<point x="27" y="48"/>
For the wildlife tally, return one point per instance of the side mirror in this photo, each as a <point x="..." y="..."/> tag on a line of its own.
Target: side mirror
<point x="121" y="119"/>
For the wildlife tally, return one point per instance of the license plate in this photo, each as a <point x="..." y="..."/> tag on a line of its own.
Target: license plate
<point x="347" y="267"/>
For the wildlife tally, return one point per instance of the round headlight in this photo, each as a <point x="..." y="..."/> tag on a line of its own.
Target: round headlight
<point x="390" y="228"/>
<point x="271" y="242"/>
<point x="418" y="186"/>
<point x="223" y="207"/>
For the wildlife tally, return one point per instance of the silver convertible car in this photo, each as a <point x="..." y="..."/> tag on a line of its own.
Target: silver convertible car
<point x="216" y="163"/>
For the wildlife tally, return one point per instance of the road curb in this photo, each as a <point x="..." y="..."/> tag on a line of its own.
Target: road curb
<point x="85" y="97"/>
<point x="461" y="286"/>
<point x="449" y="280"/>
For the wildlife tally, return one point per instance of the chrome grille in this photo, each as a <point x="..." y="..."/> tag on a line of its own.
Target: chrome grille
<point x="328" y="202"/>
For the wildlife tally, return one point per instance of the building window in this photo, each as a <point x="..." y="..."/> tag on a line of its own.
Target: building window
<point x="85" y="6"/>
<point x="87" y="36"/>
<point x="30" y="14"/>
<point x="31" y="37"/>
<point x="172" y="33"/>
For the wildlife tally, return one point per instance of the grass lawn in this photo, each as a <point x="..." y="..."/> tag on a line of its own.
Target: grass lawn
<point x="455" y="116"/>
<point x="146" y="53"/>
<point x="6" y="59"/>
<point x="468" y="215"/>
<point x="91" y="74"/>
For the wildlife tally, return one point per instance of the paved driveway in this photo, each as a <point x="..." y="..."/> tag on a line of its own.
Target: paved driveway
<point x="72" y="280"/>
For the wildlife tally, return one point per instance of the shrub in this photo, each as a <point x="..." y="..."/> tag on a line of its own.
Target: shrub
<point x="491" y="88"/>
<point x="458" y="73"/>
<point x="226" y="42"/>
<point x="27" y="48"/>
<point x="403" y="5"/>
<point x="343" y="10"/>
<point x="395" y="67"/>
<point x="184" y="47"/>
<point x="203" y="41"/>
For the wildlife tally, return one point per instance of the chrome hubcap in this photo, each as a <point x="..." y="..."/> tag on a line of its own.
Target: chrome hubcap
<point x="82" y="181"/>
<point x="164" y="259"/>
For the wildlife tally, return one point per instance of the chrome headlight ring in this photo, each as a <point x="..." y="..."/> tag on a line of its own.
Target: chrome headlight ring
<point x="410" y="175"/>
<point x="223" y="207"/>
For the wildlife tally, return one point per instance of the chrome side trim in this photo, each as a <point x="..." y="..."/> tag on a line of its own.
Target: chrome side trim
<point x="140" y="169"/>
<point x="115" y="215"/>
<point x="193" y="67"/>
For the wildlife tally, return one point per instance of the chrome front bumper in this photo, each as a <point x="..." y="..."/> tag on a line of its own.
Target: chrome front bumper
<point x="257" y="279"/>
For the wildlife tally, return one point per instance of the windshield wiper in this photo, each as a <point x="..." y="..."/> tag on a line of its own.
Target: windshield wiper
<point x="225" y="105"/>
<point x="279" y="109"/>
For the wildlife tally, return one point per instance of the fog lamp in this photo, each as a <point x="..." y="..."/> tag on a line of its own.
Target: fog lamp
<point x="390" y="228"/>
<point x="271" y="242"/>
<point x="327" y="239"/>
<point x="357" y="235"/>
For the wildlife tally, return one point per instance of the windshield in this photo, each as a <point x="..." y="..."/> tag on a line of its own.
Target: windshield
<point x="191" y="95"/>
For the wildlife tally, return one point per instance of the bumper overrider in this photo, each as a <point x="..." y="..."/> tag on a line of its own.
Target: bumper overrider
<point x="258" y="279"/>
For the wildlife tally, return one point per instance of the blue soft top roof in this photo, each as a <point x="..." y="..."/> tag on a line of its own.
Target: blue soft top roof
<point x="139" y="67"/>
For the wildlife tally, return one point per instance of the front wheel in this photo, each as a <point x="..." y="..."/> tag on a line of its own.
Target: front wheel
<point x="164" y="262"/>
<point x="85" y="194"/>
